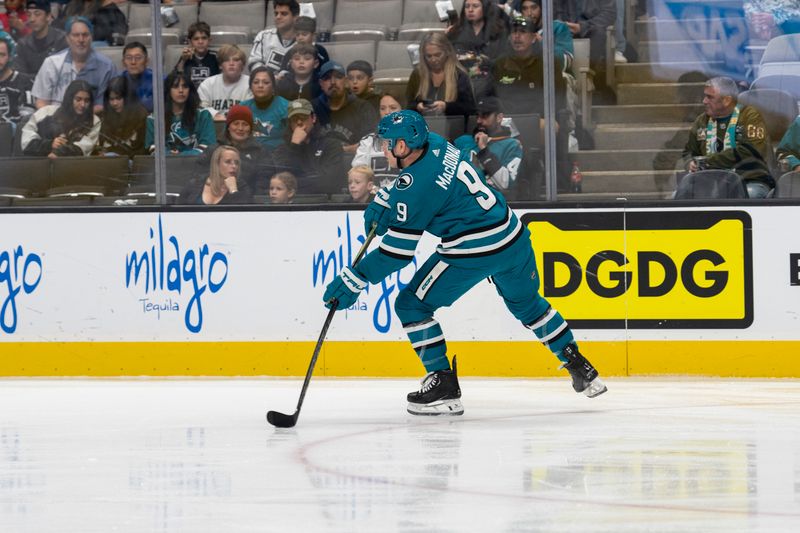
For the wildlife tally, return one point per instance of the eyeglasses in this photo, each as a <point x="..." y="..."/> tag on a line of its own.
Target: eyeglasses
<point x="134" y="58"/>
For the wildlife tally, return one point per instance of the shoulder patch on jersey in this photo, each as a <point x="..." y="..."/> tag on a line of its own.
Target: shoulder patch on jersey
<point x="403" y="181"/>
<point x="435" y="152"/>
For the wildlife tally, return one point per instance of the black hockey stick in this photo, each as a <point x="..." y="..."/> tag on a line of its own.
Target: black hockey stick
<point x="281" y="420"/>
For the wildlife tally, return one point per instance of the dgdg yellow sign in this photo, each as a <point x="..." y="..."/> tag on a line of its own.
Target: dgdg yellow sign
<point x="667" y="269"/>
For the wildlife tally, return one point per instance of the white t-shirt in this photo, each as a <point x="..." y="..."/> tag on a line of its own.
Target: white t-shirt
<point x="218" y="97"/>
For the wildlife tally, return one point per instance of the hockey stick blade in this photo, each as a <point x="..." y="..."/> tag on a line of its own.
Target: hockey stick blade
<point x="281" y="420"/>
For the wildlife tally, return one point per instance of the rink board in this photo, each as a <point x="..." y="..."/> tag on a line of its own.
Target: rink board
<point x="695" y="291"/>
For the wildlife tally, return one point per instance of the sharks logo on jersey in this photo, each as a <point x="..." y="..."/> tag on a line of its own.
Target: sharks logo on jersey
<point x="404" y="181"/>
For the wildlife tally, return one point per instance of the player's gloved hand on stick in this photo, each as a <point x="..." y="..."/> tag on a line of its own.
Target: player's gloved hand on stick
<point x="378" y="212"/>
<point x="344" y="289"/>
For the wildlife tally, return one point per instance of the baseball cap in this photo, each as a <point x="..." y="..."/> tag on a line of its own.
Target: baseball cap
<point x="44" y="5"/>
<point x="329" y="67"/>
<point x="489" y="104"/>
<point x="523" y="24"/>
<point x="301" y="106"/>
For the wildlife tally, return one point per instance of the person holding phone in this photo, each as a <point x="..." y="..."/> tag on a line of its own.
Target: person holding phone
<point x="439" y="85"/>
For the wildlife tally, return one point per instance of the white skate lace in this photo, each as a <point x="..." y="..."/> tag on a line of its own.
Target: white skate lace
<point x="428" y="382"/>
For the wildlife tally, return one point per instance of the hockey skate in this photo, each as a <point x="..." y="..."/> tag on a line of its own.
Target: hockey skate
<point x="439" y="394"/>
<point x="584" y="376"/>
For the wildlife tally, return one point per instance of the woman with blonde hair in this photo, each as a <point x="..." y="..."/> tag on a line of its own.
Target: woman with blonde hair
<point x="439" y="85"/>
<point x="222" y="186"/>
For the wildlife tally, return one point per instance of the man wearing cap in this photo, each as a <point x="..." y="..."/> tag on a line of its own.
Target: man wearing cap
<point x="78" y="62"/>
<point x="494" y="150"/>
<point x="341" y="115"/>
<point x="563" y="46"/>
<point x="315" y="159"/>
<point x="43" y="40"/>
<point x="519" y="76"/>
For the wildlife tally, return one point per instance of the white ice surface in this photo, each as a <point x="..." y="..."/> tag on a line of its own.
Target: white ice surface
<point x="527" y="456"/>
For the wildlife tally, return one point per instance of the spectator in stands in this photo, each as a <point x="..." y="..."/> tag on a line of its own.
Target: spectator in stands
<point x="43" y="40"/>
<point x="497" y="153"/>
<point x="730" y="136"/>
<point x="269" y="111"/>
<point x="140" y="77"/>
<point x="271" y="44"/>
<point x="78" y="62"/>
<point x="256" y="161"/>
<point x="770" y="18"/>
<point x="589" y="19"/>
<point x="439" y="85"/>
<point x="479" y="35"/>
<point x="788" y="151"/>
<point x="16" y="101"/>
<point x="359" y="80"/>
<point x="305" y="31"/>
<point x="361" y="184"/>
<point x="301" y="81"/>
<point x="122" y="129"/>
<point x="196" y="59"/>
<point x="222" y="186"/>
<point x="370" y="150"/>
<point x="563" y="46"/>
<point x="282" y="188"/>
<point x="315" y="159"/>
<point x="218" y="93"/>
<point x="341" y="115"/>
<point x="14" y="20"/>
<point x="189" y="128"/>
<point x="108" y="21"/>
<point x="68" y="129"/>
<point x="519" y="76"/>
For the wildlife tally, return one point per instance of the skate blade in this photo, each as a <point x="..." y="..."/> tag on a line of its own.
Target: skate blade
<point x="595" y="388"/>
<point x="440" y="408"/>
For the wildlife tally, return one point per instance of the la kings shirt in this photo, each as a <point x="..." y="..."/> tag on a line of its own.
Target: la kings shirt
<point x="15" y="97"/>
<point x="200" y="69"/>
<point x="268" y="50"/>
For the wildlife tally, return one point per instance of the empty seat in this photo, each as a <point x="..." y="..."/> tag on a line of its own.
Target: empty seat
<point x="585" y="81"/>
<point x="347" y="52"/>
<point x="788" y="186"/>
<point x="139" y="18"/>
<point x="782" y="49"/>
<point x="231" y="35"/>
<point x="6" y="139"/>
<point x="88" y="176"/>
<point x="145" y="36"/>
<point x="114" y="53"/>
<point x="420" y="17"/>
<point x="366" y="19"/>
<point x="251" y="15"/>
<point x="180" y="170"/>
<point x="24" y="176"/>
<point x="530" y="132"/>
<point x="789" y="83"/>
<point x="393" y="55"/>
<point x="711" y="184"/>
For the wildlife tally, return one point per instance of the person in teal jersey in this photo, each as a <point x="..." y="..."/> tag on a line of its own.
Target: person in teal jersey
<point x="190" y="129"/>
<point x="494" y="150"/>
<point x="269" y="110"/>
<point x="441" y="192"/>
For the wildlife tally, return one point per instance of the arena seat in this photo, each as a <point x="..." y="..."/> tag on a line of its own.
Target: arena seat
<point x="251" y="15"/>
<point x="91" y="176"/>
<point x="711" y="184"/>
<point x="6" y="139"/>
<point x="24" y="176"/>
<point x="393" y="55"/>
<point x="782" y="49"/>
<point x="788" y="186"/>
<point x="114" y="53"/>
<point x="140" y="18"/>
<point x="419" y="18"/>
<point x="347" y="52"/>
<point x="585" y="78"/>
<point x="778" y="108"/>
<point x="180" y="170"/>
<point x="366" y="19"/>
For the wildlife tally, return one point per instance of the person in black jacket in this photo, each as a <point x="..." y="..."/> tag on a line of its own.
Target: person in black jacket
<point x="256" y="160"/>
<point x="315" y="159"/>
<point x="108" y="21"/>
<point x="123" y="126"/>
<point x="222" y="186"/>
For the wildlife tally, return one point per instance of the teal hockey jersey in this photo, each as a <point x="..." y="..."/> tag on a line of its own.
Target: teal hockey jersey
<point x="442" y="193"/>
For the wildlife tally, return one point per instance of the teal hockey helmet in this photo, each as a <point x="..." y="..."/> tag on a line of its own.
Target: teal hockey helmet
<point x="407" y="125"/>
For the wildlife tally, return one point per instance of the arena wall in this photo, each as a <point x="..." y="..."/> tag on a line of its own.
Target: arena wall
<point x="650" y="291"/>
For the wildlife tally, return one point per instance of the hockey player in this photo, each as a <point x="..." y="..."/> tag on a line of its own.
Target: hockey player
<point x="441" y="192"/>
